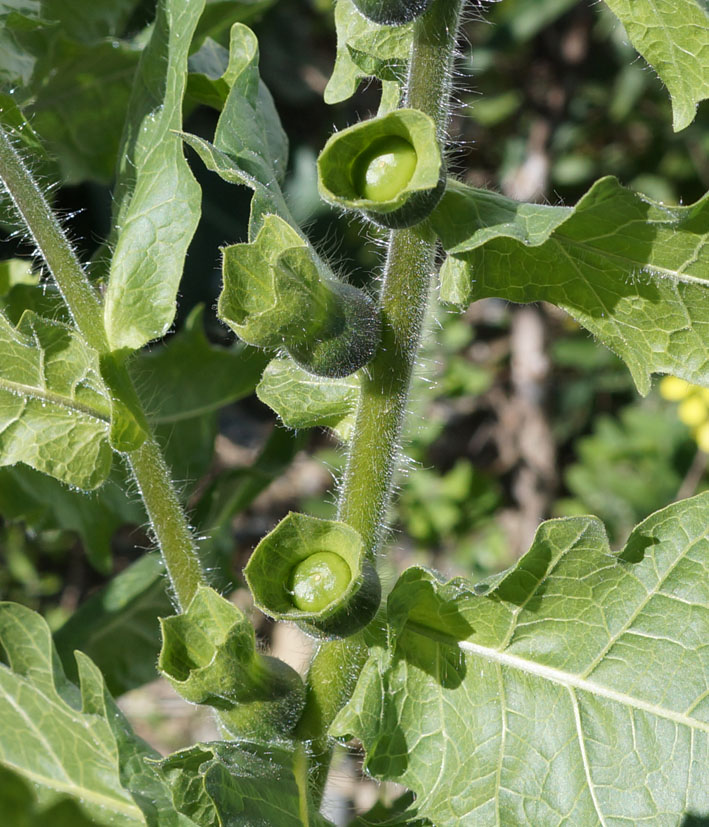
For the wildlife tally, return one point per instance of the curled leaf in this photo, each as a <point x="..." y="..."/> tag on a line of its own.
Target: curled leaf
<point x="209" y="656"/>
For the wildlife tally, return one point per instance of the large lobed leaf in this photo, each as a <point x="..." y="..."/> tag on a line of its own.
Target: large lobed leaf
<point x="242" y="783"/>
<point x="632" y="271"/>
<point x="673" y="36"/>
<point x="572" y="689"/>
<point x="157" y="197"/>
<point x="55" y="411"/>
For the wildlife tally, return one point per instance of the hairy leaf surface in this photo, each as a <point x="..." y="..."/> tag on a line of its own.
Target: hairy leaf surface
<point x="302" y="400"/>
<point x="571" y="689"/>
<point x="365" y="49"/>
<point x="66" y="742"/>
<point x="241" y="783"/>
<point x="157" y="197"/>
<point x="632" y="271"/>
<point x="673" y="36"/>
<point x="55" y="411"/>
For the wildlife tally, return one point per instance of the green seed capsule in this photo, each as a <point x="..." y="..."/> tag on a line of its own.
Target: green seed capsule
<point x="318" y="580"/>
<point x="383" y="170"/>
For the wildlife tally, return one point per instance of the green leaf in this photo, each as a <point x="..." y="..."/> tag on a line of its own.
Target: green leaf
<point x="571" y="689"/>
<point x="20" y="807"/>
<point x="211" y="74"/>
<point x="632" y="271"/>
<point x="88" y="21"/>
<point x="250" y="146"/>
<point x="16" y="62"/>
<point x="127" y="609"/>
<point x="80" y="94"/>
<point x="188" y="377"/>
<point x="43" y="503"/>
<point x="673" y="38"/>
<point x="241" y="783"/>
<point x="365" y="49"/>
<point x="157" y="197"/>
<point x="302" y="400"/>
<point x="55" y="411"/>
<point x="65" y="742"/>
<point x="209" y="656"/>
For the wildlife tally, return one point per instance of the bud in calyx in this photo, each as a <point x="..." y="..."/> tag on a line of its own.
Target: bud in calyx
<point x="276" y="296"/>
<point x="316" y="573"/>
<point x="389" y="168"/>
<point x="392" y="12"/>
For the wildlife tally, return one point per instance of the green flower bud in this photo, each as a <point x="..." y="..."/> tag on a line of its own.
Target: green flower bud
<point x="209" y="656"/>
<point x="390" y="168"/>
<point x="315" y="573"/>
<point x="275" y="296"/>
<point x="392" y="12"/>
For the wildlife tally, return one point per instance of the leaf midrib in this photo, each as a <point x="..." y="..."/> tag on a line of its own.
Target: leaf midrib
<point x="557" y="676"/>
<point x="53" y="398"/>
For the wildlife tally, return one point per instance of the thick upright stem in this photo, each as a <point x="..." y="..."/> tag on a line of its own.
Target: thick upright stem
<point x="374" y="450"/>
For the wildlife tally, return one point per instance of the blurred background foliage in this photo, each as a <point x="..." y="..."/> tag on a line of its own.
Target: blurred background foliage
<point x="517" y="414"/>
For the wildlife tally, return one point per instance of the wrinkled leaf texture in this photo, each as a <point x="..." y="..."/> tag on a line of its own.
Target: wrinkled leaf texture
<point x="571" y="689"/>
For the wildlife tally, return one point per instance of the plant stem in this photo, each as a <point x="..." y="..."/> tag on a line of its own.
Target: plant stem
<point x="374" y="449"/>
<point x="375" y="445"/>
<point x="151" y="473"/>
<point x="79" y="296"/>
<point x="168" y="520"/>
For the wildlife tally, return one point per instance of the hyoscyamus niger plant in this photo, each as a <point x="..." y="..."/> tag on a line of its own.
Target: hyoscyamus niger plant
<point x="570" y="689"/>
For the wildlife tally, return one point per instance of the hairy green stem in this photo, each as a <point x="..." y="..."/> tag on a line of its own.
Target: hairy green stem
<point x="51" y="241"/>
<point x="167" y="517"/>
<point x="151" y="473"/>
<point x="374" y="449"/>
<point x="375" y="444"/>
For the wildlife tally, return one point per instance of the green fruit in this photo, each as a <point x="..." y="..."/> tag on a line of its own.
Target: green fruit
<point x="390" y="168"/>
<point x="319" y="580"/>
<point x="392" y="12"/>
<point x="383" y="170"/>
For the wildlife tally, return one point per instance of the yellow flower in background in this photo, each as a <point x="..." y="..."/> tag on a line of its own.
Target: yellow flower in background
<point x="693" y="408"/>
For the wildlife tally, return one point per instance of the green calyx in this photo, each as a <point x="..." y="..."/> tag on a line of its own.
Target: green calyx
<point x="390" y="168"/>
<point x="314" y="572"/>
<point x="209" y="656"/>
<point x="276" y="296"/>
<point x="392" y="12"/>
